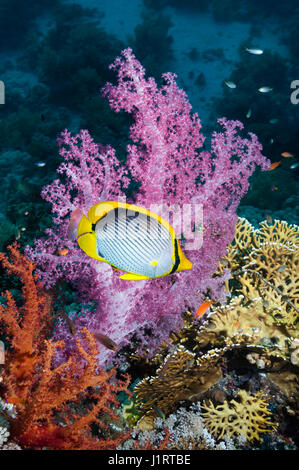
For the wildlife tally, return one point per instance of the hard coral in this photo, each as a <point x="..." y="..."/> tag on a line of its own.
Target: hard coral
<point x="180" y="377"/>
<point x="264" y="266"/>
<point x="55" y="406"/>
<point x="249" y="416"/>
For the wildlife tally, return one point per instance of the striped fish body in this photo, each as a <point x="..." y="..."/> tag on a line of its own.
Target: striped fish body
<point x="132" y="239"/>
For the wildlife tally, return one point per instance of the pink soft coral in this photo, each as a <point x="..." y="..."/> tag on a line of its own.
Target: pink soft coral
<point x="204" y="187"/>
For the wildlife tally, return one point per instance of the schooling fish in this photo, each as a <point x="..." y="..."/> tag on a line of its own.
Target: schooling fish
<point x="132" y="239"/>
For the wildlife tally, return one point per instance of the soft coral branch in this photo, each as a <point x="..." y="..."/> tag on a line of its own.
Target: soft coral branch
<point x="56" y="406"/>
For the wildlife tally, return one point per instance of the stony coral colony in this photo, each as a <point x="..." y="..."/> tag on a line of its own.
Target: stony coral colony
<point x="226" y="380"/>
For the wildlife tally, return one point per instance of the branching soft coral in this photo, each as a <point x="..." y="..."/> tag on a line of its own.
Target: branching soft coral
<point x="56" y="406"/>
<point x="201" y="188"/>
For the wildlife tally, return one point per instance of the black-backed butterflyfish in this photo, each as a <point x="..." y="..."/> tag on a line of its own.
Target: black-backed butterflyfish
<point x="132" y="239"/>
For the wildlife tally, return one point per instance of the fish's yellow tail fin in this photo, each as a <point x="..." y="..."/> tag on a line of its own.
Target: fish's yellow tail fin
<point x="185" y="265"/>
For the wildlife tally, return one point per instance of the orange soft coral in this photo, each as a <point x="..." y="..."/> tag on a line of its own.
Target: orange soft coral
<point x="55" y="406"/>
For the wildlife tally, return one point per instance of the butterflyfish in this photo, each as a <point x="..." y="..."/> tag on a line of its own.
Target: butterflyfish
<point x="132" y="239"/>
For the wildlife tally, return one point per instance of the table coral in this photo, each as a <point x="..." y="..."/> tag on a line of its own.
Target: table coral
<point x="249" y="416"/>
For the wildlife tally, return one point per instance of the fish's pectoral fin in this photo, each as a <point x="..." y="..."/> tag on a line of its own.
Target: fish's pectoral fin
<point x="133" y="277"/>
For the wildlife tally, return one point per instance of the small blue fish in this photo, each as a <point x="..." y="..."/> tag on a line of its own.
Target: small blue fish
<point x="230" y="84"/>
<point x="40" y="164"/>
<point x="294" y="166"/>
<point x="265" y="89"/>
<point x="255" y="51"/>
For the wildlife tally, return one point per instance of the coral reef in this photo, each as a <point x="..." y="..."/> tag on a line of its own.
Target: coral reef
<point x="166" y="142"/>
<point x="225" y="379"/>
<point x="256" y="328"/>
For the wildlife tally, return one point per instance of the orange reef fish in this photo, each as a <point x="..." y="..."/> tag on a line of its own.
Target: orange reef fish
<point x="129" y="238"/>
<point x="274" y="165"/>
<point x="62" y="252"/>
<point x="287" y="155"/>
<point x="203" y="308"/>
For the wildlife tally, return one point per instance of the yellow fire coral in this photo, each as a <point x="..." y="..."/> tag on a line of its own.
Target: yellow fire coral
<point x="249" y="417"/>
<point x="265" y="313"/>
